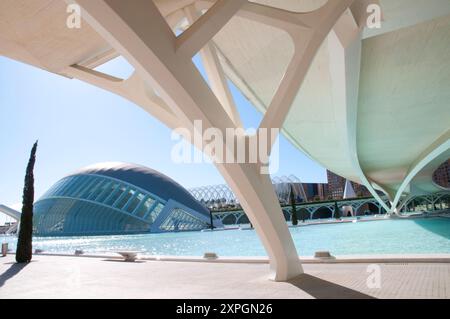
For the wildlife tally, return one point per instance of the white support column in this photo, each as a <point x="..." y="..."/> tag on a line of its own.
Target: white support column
<point x="140" y="34"/>
<point x="405" y="202"/>
<point x="260" y="203"/>
<point x="133" y="89"/>
<point x="201" y="32"/>
<point x="440" y="146"/>
<point x="321" y="21"/>
<point x="214" y="71"/>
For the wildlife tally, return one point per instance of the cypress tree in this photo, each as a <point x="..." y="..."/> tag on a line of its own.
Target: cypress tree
<point x="337" y="212"/>
<point x="24" y="242"/>
<point x="294" y="208"/>
<point x="211" y="219"/>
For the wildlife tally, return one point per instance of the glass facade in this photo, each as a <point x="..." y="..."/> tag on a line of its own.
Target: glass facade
<point x="92" y="204"/>
<point x="65" y="216"/>
<point x="181" y="220"/>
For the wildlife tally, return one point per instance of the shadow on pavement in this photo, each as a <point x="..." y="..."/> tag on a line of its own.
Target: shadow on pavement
<point x="322" y="289"/>
<point x="13" y="270"/>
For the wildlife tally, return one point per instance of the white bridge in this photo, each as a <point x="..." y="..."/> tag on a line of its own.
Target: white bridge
<point x="348" y="207"/>
<point x="11" y="213"/>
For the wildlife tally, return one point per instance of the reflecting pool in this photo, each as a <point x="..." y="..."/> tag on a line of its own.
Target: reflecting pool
<point x="418" y="236"/>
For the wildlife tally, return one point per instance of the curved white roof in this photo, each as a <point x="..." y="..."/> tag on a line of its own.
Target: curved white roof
<point x="375" y="113"/>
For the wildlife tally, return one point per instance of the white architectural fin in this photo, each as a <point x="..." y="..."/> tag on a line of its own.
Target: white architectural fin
<point x="349" y="192"/>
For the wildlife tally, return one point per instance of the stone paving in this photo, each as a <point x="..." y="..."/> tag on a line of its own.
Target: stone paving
<point x="83" y="277"/>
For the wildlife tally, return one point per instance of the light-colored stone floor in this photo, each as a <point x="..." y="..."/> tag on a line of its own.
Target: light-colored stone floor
<point x="81" y="277"/>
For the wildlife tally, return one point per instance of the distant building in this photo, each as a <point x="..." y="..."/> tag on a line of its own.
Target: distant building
<point x="336" y="187"/>
<point x="315" y="191"/>
<point x="220" y="197"/>
<point x="361" y="190"/>
<point x="442" y="175"/>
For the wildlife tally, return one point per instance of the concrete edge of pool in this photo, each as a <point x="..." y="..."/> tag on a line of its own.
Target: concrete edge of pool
<point x="345" y="259"/>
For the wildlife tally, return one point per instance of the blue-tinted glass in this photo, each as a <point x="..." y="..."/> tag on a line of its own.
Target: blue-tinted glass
<point x="106" y="190"/>
<point x="134" y="202"/>
<point x="51" y="191"/>
<point x="111" y="198"/>
<point x="154" y="213"/>
<point x="83" y="186"/>
<point x="68" y="185"/>
<point x="60" y="186"/>
<point x="74" y="183"/>
<point x="117" y="196"/>
<point x="144" y="207"/>
<point x="98" y="189"/>
<point x="123" y="201"/>
<point x="180" y="220"/>
<point x="90" y="188"/>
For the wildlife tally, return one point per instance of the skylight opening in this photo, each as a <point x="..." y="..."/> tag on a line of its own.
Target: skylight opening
<point x="117" y="67"/>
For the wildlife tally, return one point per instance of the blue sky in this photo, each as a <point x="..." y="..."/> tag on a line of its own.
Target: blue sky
<point x="78" y="125"/>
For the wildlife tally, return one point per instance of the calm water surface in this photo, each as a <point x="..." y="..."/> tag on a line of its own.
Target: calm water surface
<point x="375" y="237"/>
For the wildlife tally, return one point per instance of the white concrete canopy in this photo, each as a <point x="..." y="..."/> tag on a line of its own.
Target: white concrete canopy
<point x="369" y="104"/>
<point x="10" y="212"/>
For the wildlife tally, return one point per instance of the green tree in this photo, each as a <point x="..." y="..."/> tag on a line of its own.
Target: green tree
<point x="337" y="212"/>
<point x="24" y="242"/>
<point x="294" y="208"/>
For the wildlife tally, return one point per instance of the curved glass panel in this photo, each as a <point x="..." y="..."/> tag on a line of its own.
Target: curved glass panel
<point x="58" y="211"/>
<point x="125" y="198"/>
<point x="65" y="216"/>
<point x="144" y="207"/>
<point x="94" y="204"/>
<point x="134" y="202"/>
<point x="151" y="217"/>
<point x="180" y="220"/>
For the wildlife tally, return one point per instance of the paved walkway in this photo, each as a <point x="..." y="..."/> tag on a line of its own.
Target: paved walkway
<point x="81" y="277"/>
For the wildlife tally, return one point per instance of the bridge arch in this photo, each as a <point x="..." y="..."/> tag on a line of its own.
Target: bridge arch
<point x="229" y="219"/>
<point x="322" y="212"/>
<point x="243" y="219"/>
<point x="303" y="214"/>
